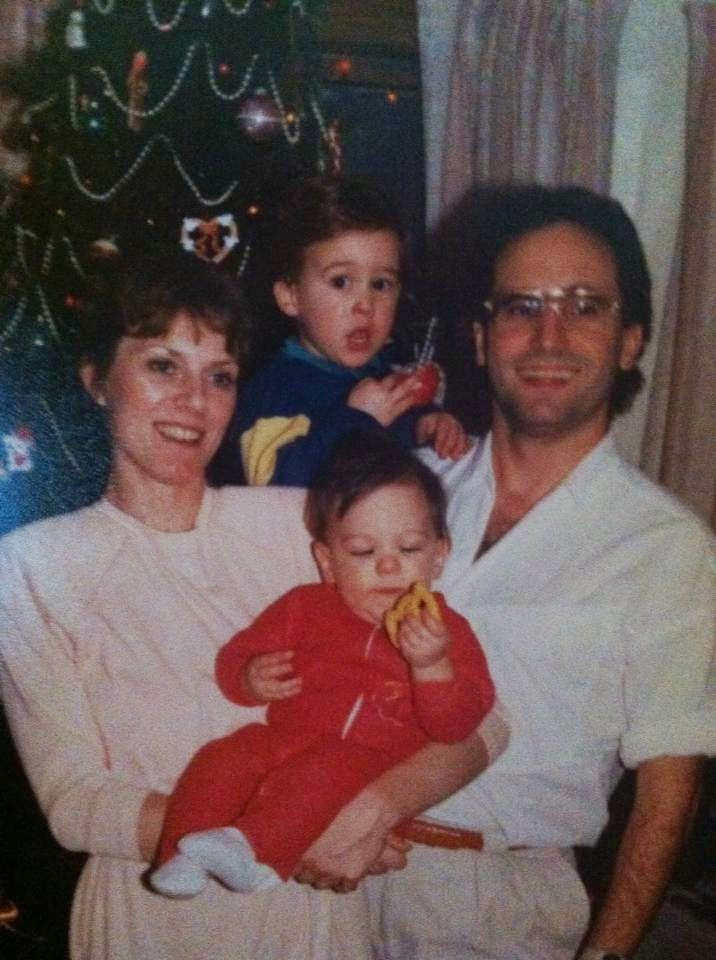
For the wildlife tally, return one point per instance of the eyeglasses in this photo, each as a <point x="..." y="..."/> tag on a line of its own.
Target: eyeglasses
<point x="576" y="305"/>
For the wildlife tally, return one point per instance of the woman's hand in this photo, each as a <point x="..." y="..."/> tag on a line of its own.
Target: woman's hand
<point x="269" y="676"/>
<point x="149" y="826"/>
<point x="357" y="842"/>
<point x="385" y="400"/>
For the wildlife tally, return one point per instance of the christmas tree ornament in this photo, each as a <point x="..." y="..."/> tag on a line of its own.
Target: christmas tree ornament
<point x="210" y="239"/>
<point x="75" y="38"/>
<point x="18" y="450"/>
<point x="335" y="147"/>
<point x="342" y="68"/>
<point x="259" y="117"/>
<point x="137" y="87"/>
<point x="104" y="248"/>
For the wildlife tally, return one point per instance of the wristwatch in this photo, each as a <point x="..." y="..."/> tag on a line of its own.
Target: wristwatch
<point x="596" y="953"/>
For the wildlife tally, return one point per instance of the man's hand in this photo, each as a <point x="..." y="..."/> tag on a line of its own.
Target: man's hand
<point x="357" y="842"/>
<point x="445" y="433"/>
<point x="269" y="676"/>
<point x="385" y="400"/>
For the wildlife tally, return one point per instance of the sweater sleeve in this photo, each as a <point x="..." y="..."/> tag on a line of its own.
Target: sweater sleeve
<point x="276" y="628"/>
<point x="88" y="806"/>
<point x="449" y="711"/>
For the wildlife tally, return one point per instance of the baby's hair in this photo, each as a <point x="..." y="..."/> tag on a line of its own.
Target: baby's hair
<point x="360" y="464"/>
<point x="318" y="208"/>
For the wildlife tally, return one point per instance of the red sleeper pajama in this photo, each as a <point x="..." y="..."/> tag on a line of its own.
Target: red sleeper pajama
<point x="358" y="713"/>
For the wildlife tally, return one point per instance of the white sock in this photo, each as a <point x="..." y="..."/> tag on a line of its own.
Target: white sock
<point x="179" y="877"/>
<point x="226" y="854"/>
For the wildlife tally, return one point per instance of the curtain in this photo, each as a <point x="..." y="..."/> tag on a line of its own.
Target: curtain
<point x="680" y="440"/>
<point x="561" y="91"/>
<point x="532" y="93"/>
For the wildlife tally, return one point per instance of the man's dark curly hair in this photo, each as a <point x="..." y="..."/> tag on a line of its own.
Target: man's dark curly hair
<point x="477" y="231"/>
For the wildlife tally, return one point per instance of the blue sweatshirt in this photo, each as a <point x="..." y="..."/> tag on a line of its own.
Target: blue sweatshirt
<point x="290" y="414"/>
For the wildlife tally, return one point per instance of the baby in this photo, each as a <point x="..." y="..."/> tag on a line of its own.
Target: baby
<point x="344" y="702"/>
<point x="337" y="256"/>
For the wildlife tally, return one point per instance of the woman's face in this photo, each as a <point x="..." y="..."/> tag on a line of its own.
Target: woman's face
<point x="169" y="401"/>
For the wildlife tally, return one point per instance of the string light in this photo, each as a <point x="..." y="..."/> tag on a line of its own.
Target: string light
<point x="292" y="130"/>
<point x="238" y="11"/>
<point x="46" y="316"/>
<point x="241" y="89"/>
<point x="137" y="164"/>
<point x="30" y="111"/>
<point x="14" y="320"/>
<point x="121" y="104"/>
<point x="104" y="8"/>
<point x="168" y="24"/>
<point x="241" y="269"/>
<point x="58" y="433"/>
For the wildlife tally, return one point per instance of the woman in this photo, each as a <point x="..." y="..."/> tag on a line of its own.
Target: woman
<point x="112" y="618"/>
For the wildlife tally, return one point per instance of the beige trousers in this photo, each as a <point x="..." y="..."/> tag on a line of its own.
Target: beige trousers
<point x="492" y="905"/>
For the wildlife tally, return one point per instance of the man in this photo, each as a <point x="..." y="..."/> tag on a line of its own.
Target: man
<point x="591" y="591"/>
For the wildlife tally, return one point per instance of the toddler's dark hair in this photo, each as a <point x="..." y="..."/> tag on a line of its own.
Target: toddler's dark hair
<point x="359" y="464"/>
<point x="318" y="208"/>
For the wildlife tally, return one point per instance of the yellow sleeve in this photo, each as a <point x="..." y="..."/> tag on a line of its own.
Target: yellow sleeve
<point x="262" y="441"/>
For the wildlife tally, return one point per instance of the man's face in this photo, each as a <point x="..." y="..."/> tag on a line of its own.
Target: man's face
<point x="552" y="374"/>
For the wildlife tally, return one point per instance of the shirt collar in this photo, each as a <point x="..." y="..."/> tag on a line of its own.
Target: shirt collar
<point x="293" y="350"/>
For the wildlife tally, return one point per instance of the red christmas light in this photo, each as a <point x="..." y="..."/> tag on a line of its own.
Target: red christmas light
<point x="343" y="68"/>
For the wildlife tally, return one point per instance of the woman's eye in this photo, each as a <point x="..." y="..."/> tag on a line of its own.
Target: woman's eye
<point x="224" y="379"/>
<point x="161" y="365"/>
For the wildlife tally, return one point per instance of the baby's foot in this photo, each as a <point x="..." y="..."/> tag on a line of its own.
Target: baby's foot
<point x="227" y="855"/>
<point x="179" y="877"/>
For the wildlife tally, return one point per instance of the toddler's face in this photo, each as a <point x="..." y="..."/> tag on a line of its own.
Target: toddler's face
<point x="383" y="544"/>
<point x="345" y="297"/>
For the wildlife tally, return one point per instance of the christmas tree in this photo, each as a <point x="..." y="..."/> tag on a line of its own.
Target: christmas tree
<point x="142" y="120"/>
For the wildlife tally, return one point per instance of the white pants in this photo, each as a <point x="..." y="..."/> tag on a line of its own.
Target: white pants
<point x="492" y="905"/>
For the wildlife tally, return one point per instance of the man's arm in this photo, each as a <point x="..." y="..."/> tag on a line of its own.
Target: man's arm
<point x="666" y="795"/>
<point x="359" y="840"/>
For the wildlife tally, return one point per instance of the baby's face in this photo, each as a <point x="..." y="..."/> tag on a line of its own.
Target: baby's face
<point x="345" y="298"/>
<point x="383" y="544"/>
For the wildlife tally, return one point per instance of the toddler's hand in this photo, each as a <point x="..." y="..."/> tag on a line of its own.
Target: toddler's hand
<point x="424" y="642"/>
<point x="445" y="433"/>
<point x="269" y="676"/>
<point x="385" y="400"/>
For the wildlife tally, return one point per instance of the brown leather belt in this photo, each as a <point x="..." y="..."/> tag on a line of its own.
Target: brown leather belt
<point x="438" y="835"/>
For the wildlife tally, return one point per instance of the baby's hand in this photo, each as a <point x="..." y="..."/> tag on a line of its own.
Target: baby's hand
<point x="424" y="642"/>
<point x="385" y="400"/>
<point x="269" y="676"/>
<point x="445" y="433"/>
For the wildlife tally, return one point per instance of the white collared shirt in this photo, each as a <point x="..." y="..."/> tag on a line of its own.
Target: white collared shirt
<point x="596" y="612"/>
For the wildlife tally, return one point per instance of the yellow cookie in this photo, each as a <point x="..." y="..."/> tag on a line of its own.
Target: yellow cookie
<point x="410" y="604"/>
